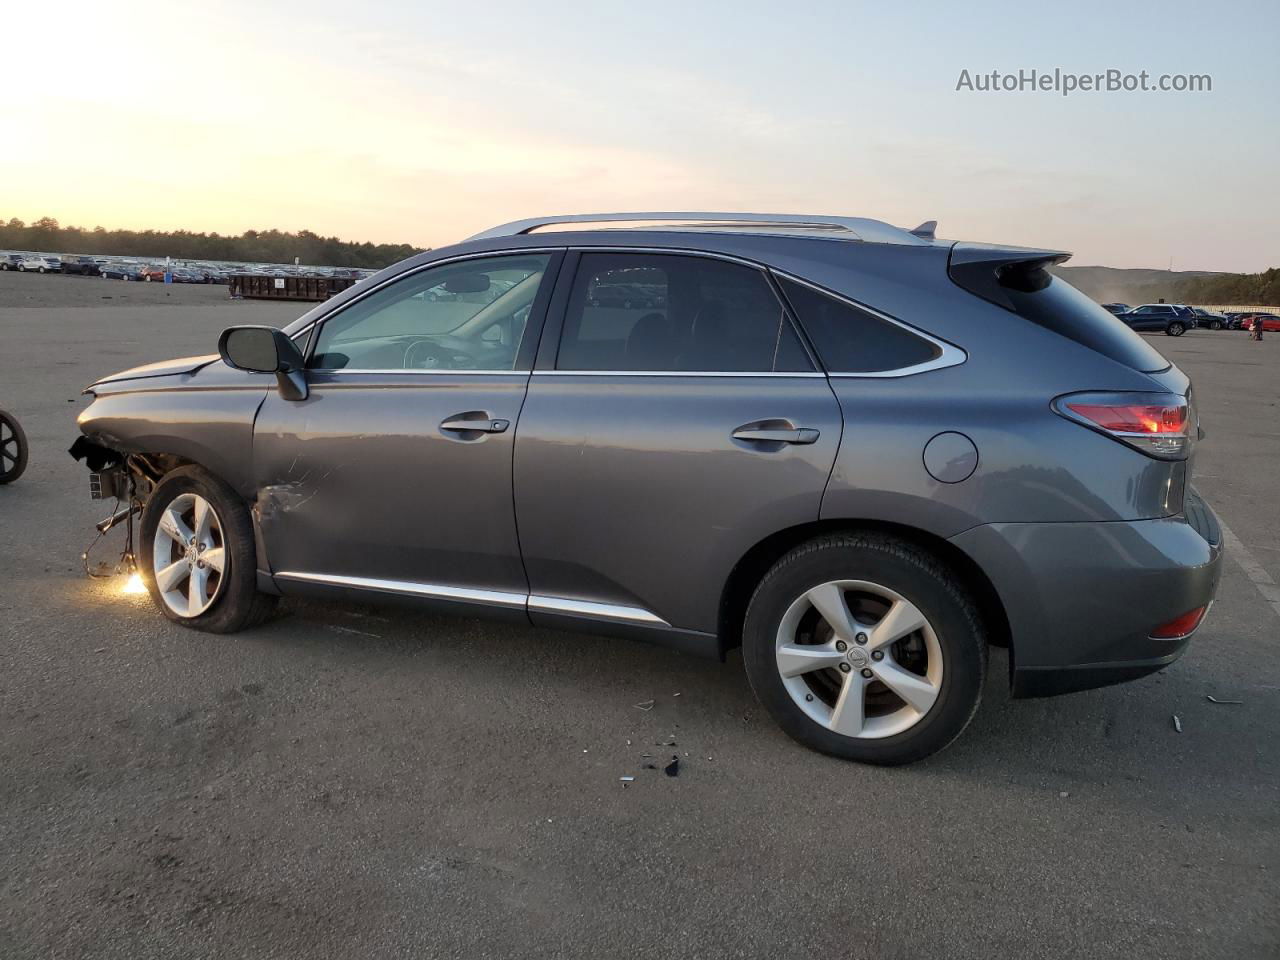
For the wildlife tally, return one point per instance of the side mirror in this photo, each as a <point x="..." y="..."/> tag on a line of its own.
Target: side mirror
<point x="266" y="350"/>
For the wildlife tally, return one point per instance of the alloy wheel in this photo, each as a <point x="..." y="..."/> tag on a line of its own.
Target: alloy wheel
<point x="859" y="659"/>
<point x="189" y="556"/>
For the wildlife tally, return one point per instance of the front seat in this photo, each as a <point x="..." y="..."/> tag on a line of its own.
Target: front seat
<point x="650" y="344"/>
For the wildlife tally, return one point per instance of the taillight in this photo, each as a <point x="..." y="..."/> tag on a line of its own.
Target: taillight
<point x="1180" y="627"/>
<point x="1158" y="424"/>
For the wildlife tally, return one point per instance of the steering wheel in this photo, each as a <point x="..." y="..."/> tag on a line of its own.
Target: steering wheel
<point x="437" y="354"/>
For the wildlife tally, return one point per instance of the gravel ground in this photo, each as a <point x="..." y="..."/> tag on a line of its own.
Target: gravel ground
<point x="376" y="782"/>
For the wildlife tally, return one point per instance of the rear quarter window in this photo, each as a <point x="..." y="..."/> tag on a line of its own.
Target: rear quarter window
<point x="851" y="340"/>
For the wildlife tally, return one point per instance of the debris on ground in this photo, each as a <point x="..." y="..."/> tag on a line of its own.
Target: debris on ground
<point x="672" y="769"/>
<point x="1063" y="794"/>
<point x="1212" y="699"/>
<point x="353" y="631"/>
<point x="1177" y="724"/>
<point x="675" y="694"/>
<point x="646" y="705"/>
<point x="626" y="779"/>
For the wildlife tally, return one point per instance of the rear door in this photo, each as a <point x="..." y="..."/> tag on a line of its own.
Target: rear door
<point x="674" y="420"/>
<point x="394" y="474"/>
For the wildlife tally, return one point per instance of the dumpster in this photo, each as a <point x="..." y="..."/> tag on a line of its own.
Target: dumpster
<point x="257" y="286"/>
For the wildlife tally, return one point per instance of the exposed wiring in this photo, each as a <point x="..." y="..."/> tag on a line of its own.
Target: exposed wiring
<point x="123" y="554"/>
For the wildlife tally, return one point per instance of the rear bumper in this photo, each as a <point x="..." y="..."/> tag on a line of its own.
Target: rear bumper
<point x="1082" y="599"/>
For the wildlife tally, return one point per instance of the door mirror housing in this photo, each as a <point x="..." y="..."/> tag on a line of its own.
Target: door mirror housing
<point x="266" y="350"/>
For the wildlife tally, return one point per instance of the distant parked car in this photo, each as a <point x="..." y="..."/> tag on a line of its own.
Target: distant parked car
<point x="1207" y="318"/>
<point x="40" y="263"/>
<point x="120" y="271"/>
<point x="1270" y="322"/>
<point x="84" y="266"/>
<point x="1116" y="308"/>
<point x="152" y="272"/>
<point x="1173" y="319"/>
<point x="10" y="261"/>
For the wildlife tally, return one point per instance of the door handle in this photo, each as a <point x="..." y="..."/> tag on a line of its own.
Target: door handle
<point x="758" y="435"/>
<point x="464" y="424"/>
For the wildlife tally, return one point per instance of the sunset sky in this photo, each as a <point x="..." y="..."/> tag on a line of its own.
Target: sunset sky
<point x="423" y="122"/>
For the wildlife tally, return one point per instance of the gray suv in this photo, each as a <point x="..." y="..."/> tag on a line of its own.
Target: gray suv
<point x="860" y="453"/>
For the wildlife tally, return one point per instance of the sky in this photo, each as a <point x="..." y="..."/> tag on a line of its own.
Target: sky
<point x="422" y="122"/>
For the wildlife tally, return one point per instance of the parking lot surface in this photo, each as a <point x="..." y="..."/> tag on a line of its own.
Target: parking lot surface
<point x="368" y="782"/>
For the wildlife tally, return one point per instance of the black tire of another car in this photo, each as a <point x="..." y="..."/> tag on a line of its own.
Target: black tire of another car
<point x="914" y="574"/>
<point x="238" y="604"/>
<point x="13" y="448"/>
<point x="1175" y="329"/>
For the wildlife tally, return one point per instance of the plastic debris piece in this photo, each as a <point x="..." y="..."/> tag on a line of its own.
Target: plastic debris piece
<point x="1063" y="794"/>
<point x="675" y="694"/>
<point x="650" y="766"/>
<point x="672" y="769"/>
<point x="646" y="705"/>
<point x="1177" y="724"/>
<point x="626" y="779"/>
<point x="1212" y="699"/>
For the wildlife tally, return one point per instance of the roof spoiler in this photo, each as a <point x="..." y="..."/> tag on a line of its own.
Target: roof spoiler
<point x="989" y="271"/>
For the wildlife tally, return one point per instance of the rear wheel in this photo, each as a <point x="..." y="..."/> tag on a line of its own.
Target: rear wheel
<point x="13" y="448"/>
<point x="1216" y="325"/>
<point x="198" y="556"/>
<point x="865" y="647"/>
<point x="1175" y="329"/>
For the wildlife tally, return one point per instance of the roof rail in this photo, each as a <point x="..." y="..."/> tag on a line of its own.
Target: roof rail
<point x="856" y="228"/>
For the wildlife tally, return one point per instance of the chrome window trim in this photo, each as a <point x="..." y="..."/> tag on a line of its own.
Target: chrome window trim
<point x="949" y="356"/>
<point x="594" y="610"/>
<point x="498" y="598"/>
<point x="673" y="373"/>
<point x="435" y="591"/>
<point x="416" y="372"/>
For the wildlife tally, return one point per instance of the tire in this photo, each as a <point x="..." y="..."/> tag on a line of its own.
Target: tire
<point x="21" y="268"/>
<point x="951" y="637"/>
<point x="147" y="278"/>
<point x="40" y="269"/>
<point x="1216" y="325"/>
<point x="1175" y="329"/>
<point x="233" y="601"/>
<point x="13" y="448"/>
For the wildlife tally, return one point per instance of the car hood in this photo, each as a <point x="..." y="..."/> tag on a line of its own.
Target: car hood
<point x="165" y="368"/>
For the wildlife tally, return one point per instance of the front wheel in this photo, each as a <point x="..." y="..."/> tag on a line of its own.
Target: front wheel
<point x="865" y="647"/>
<point x="197" y="554"/>
<point x="1216" y="325"/>
<point x="1176" y="329"/>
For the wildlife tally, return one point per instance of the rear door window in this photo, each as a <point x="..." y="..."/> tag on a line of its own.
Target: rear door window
<point x="633" y="312"/>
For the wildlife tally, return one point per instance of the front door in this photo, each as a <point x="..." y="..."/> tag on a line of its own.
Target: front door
<point x="680" y="422"/>
<point x="394" y="474"/>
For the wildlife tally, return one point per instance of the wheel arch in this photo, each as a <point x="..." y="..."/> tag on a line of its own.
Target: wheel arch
<point x="747" y="573"/>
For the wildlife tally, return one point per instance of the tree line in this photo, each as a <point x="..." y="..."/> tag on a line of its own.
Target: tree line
<point x="46" y="235"/>
<point x="1252" y="288"/>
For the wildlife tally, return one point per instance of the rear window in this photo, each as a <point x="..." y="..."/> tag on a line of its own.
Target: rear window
<point x="1062" y="308"/>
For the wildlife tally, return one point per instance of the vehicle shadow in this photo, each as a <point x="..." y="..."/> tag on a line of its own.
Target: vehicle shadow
<point x="1100" y="739"/>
